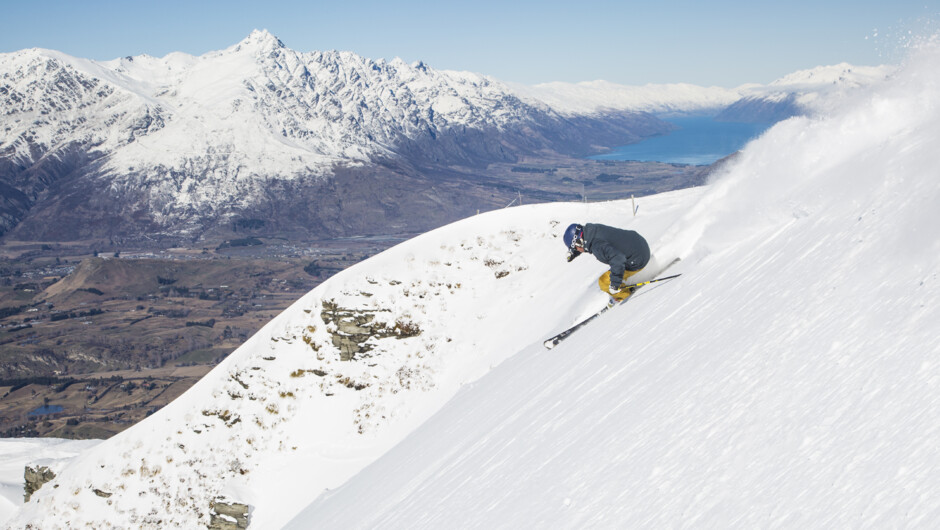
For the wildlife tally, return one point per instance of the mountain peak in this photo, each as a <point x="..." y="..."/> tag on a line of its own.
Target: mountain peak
<point x="261" y="39"/>
<point x="842" y="73"/>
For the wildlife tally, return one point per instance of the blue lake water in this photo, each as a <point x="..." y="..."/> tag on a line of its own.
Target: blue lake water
<point x="698" y="141"/>
<point x="45" y="409"/>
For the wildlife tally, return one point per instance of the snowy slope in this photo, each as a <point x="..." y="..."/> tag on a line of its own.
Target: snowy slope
<point x="294" y="419"/>
<point x="257" y="98"/>
<point x="17" y="453"/>
<point x="790" y="378"/>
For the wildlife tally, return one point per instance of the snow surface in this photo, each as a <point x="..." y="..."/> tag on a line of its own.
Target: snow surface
<point x="17" y="453"/>
<point x="789" y="378"/>
<point x="289" y="433"/>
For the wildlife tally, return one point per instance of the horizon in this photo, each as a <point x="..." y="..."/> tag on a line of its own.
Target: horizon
<point x="726" y="44"/>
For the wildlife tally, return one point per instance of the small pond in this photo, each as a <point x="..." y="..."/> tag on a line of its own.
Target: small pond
<point x="45" y="409"/>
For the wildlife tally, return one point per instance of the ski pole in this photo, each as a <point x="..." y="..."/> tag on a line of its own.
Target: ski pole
<point x="651" y="281"/>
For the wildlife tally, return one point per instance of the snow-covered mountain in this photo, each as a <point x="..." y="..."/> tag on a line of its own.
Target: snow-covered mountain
<point x="597" y="97"/>
<point x="789" y="96"/>
<point x="323" y="143"/>
<point x="801" y="92"/>
<point x="179" y="144"/>
<point x="788" y="378"/>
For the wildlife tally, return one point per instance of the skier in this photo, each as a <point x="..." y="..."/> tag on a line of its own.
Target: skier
<point x="625" y="251"/>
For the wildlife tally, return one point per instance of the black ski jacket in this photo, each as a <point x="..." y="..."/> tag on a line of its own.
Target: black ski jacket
<point x="623" y="250"/>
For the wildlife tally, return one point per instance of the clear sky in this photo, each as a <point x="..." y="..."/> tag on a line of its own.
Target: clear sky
<point x="705" y="42"/>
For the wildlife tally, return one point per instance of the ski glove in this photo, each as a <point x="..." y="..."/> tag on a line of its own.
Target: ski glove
<point x="572" y="253"/>
<point x="613" y="290"/>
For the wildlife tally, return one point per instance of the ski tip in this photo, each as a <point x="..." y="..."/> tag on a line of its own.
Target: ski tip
<point x="548" y="344"/>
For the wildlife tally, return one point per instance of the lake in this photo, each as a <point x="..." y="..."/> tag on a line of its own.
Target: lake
<point x="699" y="141"/>
<point x="45" y="409"/>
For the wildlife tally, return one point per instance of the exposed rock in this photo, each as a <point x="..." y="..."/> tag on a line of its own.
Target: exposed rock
<point x="35" y="477"/>
<point x="354" y="328"/>
<point x="228" y="516"/>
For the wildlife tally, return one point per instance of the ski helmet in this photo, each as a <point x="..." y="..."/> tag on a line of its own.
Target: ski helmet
<point x="573" y="235"/>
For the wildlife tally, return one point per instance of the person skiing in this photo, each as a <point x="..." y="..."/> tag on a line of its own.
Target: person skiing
<point x="625" y="251"/>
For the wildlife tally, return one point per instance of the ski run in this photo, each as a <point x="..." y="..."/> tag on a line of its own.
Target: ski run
<point x="789" y="379"/>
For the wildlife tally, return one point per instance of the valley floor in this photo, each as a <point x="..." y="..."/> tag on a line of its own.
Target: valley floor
<point x="93" y="344"/>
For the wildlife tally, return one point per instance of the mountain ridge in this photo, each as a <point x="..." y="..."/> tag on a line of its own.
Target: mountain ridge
<point x="182" y="144"/>
<point x="143" y="149"/>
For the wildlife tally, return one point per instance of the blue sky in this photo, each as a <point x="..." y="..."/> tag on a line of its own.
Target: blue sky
<point x="718" y="42"/>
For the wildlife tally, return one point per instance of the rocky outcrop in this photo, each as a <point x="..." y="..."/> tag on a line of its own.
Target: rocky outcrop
<point x="228" y="516"/>
<point x="353" y="328"/>
<point x="34" y="478"/>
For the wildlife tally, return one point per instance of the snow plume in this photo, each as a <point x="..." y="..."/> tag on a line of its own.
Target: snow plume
<point x="848" y="159"/>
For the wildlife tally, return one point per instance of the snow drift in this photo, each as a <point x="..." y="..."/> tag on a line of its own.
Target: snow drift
<point x="789" y="378"/>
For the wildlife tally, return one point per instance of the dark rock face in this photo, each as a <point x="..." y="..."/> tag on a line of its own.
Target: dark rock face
<point x="66" y="198"/>
<point x="542" y="133"/>
<point x="24" y="185"/>
<point x="34" y="478"/>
